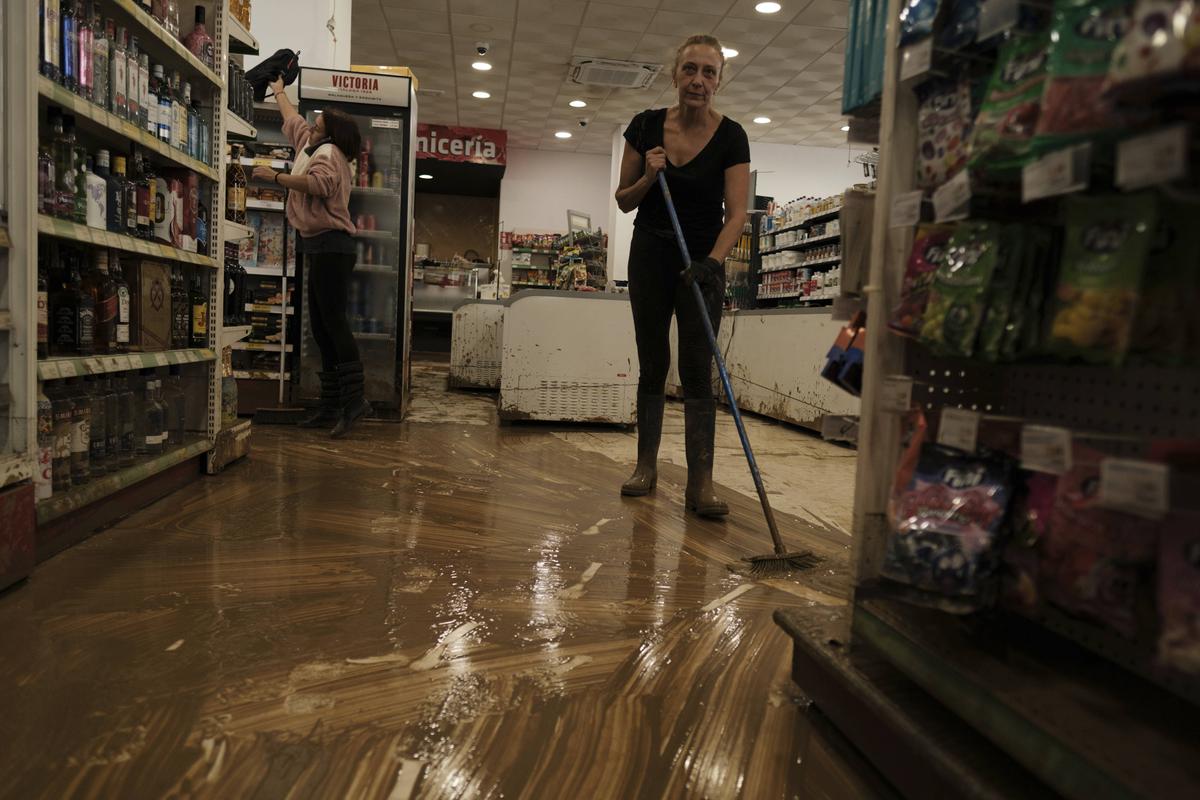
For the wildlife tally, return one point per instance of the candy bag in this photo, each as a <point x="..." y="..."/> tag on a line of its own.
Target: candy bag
<point x="1162" y="324"/>
<point x="929" y="248"/>
<point x="1179" y="593"/>
<point x="1032" y="507"/>
<point x="947" y="523"/>
<point x="1096" y="563"/>
<point x="1003" y="131"/>
<point x="1085" y="33"/>
<point x="943" y="127"/>
<point x="1002" y="292"/>
<point x="1156" y="47"/>
<point x="1039" y="256"/>
<point x="960" y="286"/>
<point x="916" y="19"/>
<point x="1104" y="257"/>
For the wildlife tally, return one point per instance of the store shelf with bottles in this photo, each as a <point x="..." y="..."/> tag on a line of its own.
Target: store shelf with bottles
<point x="241" y="41"/>
<point x="163" y="45"/>
<point x="263" y="347"/>
<point x="232" y="334"/>
<point x="264" y="308"/>
<point x="82" y="234"/>
<point x="239" y="129"/>
<point x="58" y="367"/>
<point x="253" y="204"/>
<point x="273" y="163"/>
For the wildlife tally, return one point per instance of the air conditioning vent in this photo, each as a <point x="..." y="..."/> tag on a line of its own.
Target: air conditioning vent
<point x="613" y="74"/>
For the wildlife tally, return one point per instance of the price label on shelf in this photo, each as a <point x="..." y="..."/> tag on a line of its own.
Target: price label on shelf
<point x="1153" y="158"/>
<point x="161" y="359"/>
<point x="959" y="428"/>
<point x="66" y="369"/>
<point x="48" y="370"/>
<point x="192" y="356"/>
<point x="93" y="366"/>
<point x="952" y="200"/>
<point x="906" y="209"/>
<point x="897" y="394"/>
<point x="996" y="16"/>
<point x="1060" y="172"/>
<point x="116" y="363"/>
<point x="916" y="59"/>
<point x="1046" y="449"/>
<point x="1139" y="487"/>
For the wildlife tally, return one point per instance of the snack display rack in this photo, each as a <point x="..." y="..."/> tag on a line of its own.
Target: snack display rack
<point x="1073" y="655"/>
<point x="71" y="514"/>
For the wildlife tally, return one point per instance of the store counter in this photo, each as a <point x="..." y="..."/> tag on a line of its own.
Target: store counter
<point x="774" y="357"/>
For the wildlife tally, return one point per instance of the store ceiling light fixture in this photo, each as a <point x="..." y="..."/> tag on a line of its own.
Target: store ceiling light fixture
<point x="762" y="120"/>
<point x="482" y="66"/>
<point x="729" y="52"/>
<point x="481" y="95"/>
<point x="767" y="8"/>
<point x="577" y="104"/>
<point x="562" y="134"/>
<point x="425" y="176"/>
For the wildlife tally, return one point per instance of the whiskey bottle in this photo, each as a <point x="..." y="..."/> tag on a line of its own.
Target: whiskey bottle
<point x="43" y="479"/>
<point x="81" y="431"/>
<point x="61" y="405"/>
<point x="199" y="313"/>
<point x="235" y="181"/>
<point x="64" y="308"/>
<point x="97" y="435"/>
<point x="180" y="312"/>
<point x="114" y="189"/>
<point x="106" y="305"/>
<point x="123" y="305"/>
<point x="43" y="306"/>
<point x="89" y="298"/>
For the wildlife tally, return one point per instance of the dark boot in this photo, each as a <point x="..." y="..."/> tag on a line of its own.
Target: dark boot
<point x="700" y="427"/>
<point x="649" y="425"/>
<point x="352" y="403"/>
<point x="331" y="395"/>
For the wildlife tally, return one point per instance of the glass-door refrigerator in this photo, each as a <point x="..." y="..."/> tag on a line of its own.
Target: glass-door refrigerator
<point x="379" y="305"/>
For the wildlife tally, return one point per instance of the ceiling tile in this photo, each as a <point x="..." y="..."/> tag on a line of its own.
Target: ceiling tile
<point x="601" y="43"/>
<point x="557" y="12"/>
<point x="410" y="19"/>
<point x="825" y="14"/>
<point x="423" y="5"/>
<point x="614" y="18"/>
<point x="485" y="8"/>
<point x="744" y="9"/>
<point x="716" y="7"/>
<point x="683" y="25"/>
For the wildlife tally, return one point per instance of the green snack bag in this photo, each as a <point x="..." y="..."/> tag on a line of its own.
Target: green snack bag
<point x="1020" y="334"/>
<point x="1003" y="132"/>
<point x="1002" y="292"/>
<point x="1163" y="323"/>
<point x="957" y="300"/>
<point x="1104" y="256"/>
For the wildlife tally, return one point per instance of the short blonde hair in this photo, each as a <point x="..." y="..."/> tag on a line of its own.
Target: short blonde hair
<point x="703" y="39"/>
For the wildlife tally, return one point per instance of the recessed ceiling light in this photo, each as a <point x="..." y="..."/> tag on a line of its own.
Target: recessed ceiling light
<point x="762" y="120"/>
<point x="562" y="134"/>
<point x="729" y="52"/>
<point x="767" y="8"/>
<point x="425" y="176"/>
<point x="577" y="104"/>
<point x="482" y="66"/>
<point x="481" y="95"/>
<point x="845" y="127"/>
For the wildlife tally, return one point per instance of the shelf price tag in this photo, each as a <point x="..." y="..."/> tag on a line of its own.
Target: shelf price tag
<point x="1153" y="158"/>
<point x="92" y="366"/>
<point x="66" y="369"/>
<point x="897" y="394"/>
<point x="906" y="209"/>
<point x="1060" y="172"/>
<point x="916" y="59"/>
<point x="1139" y="487"/>
<point x="1046" y="449"/>
<point x="161" y="359"/>
<point x="959" y="428"/>
<point x="952" y="200"/>
<point x="48" y="370"/>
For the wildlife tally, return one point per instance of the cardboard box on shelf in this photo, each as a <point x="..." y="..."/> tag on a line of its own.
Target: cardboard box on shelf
<point x="265" y="328"/>
<point x="150" y="317"/>
<point x="266" y="290"/>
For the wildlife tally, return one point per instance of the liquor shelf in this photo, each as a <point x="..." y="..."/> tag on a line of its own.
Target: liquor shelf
<point x="98" y="488"/>
<point x="264" y="308"/>
<point x="123" y="129"/>
<point x="238" y="128"/>
<point x="241" y="41"/>
<point x="264" y="205"/>
<point x="235" y="231"/>
<point x="65" y="229"/>
<point x="262" y="347"/>
<point x="259" y="375"/>
<point x="73" y="366"/>
<point x="232" y="335"/>
<point x="157" y="41"/>
<point x="14" y="468"/>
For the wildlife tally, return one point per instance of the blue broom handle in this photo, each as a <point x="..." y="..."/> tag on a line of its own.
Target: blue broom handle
<point x="716" y="351"/>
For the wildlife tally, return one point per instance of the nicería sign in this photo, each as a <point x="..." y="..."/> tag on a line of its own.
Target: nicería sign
<point x="461" y="144"/>
<point x="339" y="86"/>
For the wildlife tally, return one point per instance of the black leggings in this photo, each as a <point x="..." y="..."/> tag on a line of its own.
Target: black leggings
<point x="328" y="294"/>
<point x="656" y="292"/>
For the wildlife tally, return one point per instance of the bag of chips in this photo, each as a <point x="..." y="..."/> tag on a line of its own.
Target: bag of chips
<point x="1085" y="33"/>
<point x="929" y="248"/>
<point x="1003" y="131"/>
<point x="1163" y="322"/>
<point x="947" y="520"/>
<point x="943" y="127"/>
<point x="1104" y="256"/>
<point x="960" y="285"/>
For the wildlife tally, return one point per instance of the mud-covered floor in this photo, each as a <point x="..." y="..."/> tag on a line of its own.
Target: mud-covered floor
<point x="440" y="608"/>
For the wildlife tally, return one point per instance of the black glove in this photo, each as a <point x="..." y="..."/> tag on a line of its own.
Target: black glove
<point x="705" y="271"/>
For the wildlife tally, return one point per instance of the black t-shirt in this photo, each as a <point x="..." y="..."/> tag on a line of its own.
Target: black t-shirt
<point x="697" y="187"/>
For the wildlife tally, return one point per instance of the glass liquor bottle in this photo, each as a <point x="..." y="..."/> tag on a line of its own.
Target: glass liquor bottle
<point x="156" y="79"/>
<point x="129" y="192"/>
<point x="106" y="305"/>
<point x="172" y="18"/>
<point x="60" y="402"/>
<point x="64" y="166"/>
<point x="180" y="316"/>
<point x="133" y="94"/>
<point x="81" y="431"/>
<point x="235" y="181"/>
<point x="50" y="39"/>
<point x="142" y="411"/>
<point x="155" y="418"/>
<point x="97" y="435"/>
<point x="198" y="304"/>
<point x="64" y="307"/>
<point x="43" y="479"/>
<point x="124" y="309"/>
<point x="83" y="24"/>
<point x="46" y="188"/>
<point x="164" y="106"/>
<point x="145" y="112"/>
<point x="69" y="44"/>
<point x="79" y="215"/>
<point x="114" y="190"/>
<point x="101" y="38"/>
<point x="144" y="194"/>
<point x="128" y="409"/>
<point x="176" y="400"/>
<point x="118" y="81"/>
<point x="179" y="113"/>
<point x="112" y="423"/>
<point x="199" y="42"/>
<point x="89" y="298"/>
<point x="43" y="306"/>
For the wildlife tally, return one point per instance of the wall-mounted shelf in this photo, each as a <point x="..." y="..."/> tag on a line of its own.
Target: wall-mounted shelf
<point x="75" y="232"/>
<point x="264" y="205"/>
<point x="263" y="308"/>
<point x="236" y="232"/>
<point x="263" y="347"/>
<point x="74" y="366"/>
<point x="241" y="41"/>
<point x="155" y="37"/>
<point x="239" y="129"/>
<point x="231" y="336"/>
<point x="259" y="375"/>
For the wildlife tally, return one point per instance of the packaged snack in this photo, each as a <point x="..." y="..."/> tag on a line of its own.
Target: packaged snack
<point x="943" y="127"/>
<point x="1104" y="256"/>
<point x="1003" y="131"/>
<point x="1155" y="47"/>
<point x="1166" y="305"/>
<point x="916" y="19"/>
<point x="960" y="285"/>
<point x="1179" y="593"/>
<point x="835" y="359"/>
<point x="1032" y="507"/>
<point x="1085" y="33"/>
<point x="929" y="248"/>
<point x="961" y="26"/>
<point x="1038" y="259"/>
<point x="946" y="525"/>
<point x="1096" y="563"/>
<point x="1002" y="291"/>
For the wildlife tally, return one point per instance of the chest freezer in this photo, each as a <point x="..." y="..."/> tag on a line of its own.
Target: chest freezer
<point x="475" y="344"/>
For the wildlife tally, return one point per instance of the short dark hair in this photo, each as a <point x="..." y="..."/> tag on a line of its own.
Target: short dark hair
<point x="343" y="132"/>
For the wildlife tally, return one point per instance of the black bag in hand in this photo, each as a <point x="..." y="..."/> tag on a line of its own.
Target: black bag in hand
<point x="284" y="64"/>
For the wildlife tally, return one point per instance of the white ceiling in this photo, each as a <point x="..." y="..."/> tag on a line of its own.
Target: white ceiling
<point x="789" y="66"/>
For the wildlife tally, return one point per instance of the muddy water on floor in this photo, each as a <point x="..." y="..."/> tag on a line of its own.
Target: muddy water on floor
<point x="424" y="610"/>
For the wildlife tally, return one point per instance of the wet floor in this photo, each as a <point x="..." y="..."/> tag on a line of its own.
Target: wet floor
<point x="436" y="609"/>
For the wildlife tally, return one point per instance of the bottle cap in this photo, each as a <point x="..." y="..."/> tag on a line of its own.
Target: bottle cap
<point x="102" y="159"/>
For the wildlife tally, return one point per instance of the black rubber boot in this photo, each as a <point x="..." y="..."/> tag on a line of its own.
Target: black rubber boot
<point x="352" y="403"/>
<point x="331" y="396"/>
<point x="649" y="425"/>
<point x="700" y="427"/>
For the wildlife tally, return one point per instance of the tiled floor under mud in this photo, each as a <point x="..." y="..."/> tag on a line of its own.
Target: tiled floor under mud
<point x="439" y="608"/>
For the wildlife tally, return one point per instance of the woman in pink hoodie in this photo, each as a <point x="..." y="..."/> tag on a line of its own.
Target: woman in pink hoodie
<point x="318" y="207"/>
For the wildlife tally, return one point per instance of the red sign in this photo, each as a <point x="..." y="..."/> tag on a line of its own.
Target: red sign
<point x="462" y="145"/>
